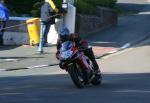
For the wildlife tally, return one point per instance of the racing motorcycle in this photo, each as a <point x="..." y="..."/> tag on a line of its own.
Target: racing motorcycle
<point x="79" y="66"/>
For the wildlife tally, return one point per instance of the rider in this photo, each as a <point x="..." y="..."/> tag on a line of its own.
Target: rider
<point x="65" y="35"/>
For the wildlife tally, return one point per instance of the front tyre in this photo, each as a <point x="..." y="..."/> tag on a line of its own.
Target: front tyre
<point x="76" y="75"/>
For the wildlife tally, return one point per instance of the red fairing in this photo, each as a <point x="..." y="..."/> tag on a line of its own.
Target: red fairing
<point x="80" y="57"/>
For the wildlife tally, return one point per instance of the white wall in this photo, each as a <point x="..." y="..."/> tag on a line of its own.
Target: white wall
<point x="16" y="38"/>
<point x="68" y="21"/>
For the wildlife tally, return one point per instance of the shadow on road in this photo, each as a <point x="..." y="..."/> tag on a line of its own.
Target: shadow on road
<point x="59" y="88"/>
<point x="8" y="47"/>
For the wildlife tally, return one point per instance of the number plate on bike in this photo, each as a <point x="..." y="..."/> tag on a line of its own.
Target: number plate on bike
<point x="66" y="54"/>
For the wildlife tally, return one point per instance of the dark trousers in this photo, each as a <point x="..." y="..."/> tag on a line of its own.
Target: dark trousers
<point x="2" y="26"/>
<point x="89" y="53"/>
<point x="45" y="31"/>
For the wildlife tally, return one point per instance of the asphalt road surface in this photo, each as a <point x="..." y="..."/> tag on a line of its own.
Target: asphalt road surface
<point x="56" y="88"/>
<point x="129" y="28"/>
<point x="126" y="79"/>
<point x="123" y="82"/>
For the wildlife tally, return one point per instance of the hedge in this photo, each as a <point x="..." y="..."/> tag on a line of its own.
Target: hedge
<point x="84" y="7"/>
<point x="18" y="7"/>
<point x="89" y="6"/>
<point x="32" y="7"/>
<point x="29" y="7"/>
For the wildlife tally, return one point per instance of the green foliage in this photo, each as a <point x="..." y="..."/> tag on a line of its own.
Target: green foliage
<point x="84" y="7"/>
<point x="20" y="6"/>
<point x="35" y="12"/>
<point x="58" y="2"/>
<point x="90" y="5"/>
<point x="106" y="3"/>
<point x="29" y="7"/>
<point x="32" y="7"/>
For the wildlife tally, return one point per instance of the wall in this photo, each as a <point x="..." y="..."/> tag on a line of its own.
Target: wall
<point x="16" y="35"/>
<point x="87" y="24"/>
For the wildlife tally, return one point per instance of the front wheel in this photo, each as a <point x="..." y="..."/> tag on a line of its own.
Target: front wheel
<point x="76" y="75"/>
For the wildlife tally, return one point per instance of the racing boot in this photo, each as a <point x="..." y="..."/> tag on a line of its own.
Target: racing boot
<point x="88" y="52"/>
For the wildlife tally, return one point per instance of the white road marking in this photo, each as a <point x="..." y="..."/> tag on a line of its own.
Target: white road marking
<point x="8" y="60"/>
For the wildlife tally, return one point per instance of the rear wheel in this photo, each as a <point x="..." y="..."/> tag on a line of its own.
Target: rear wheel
<point x="98" y="77"/>
<point x="77" y="75"/>
<point x="97" y="80"/>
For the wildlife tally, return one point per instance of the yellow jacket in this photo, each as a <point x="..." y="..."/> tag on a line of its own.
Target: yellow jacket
<point x="53" y="5"/>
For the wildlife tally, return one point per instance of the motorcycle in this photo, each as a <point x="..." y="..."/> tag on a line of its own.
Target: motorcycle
<point x="79" y="66"/>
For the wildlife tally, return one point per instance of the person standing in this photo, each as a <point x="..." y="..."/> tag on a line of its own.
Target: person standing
<point x="48" y="12"/>
<point x="4" y="17"/>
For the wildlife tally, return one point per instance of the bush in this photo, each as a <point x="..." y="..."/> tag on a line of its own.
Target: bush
<point x="35" y="12"/>
<point x="106" y="3"/>
<point x="32" y="7"/>
<point x="20" y="7"/>
<point x="29" y="7"/>
<point x="84" y="7"/>
<point x="90" y="5"/>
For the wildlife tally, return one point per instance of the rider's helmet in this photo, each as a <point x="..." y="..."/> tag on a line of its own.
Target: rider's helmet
<point x="64" y="34"/>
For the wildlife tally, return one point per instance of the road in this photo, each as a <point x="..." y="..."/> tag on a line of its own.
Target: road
<point x="126" y="79"/>
<point x="129" y="28"/>
<point x="116" y="88"/>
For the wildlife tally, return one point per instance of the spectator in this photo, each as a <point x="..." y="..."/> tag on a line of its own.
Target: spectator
<point x="48" y="15"/>
<point x="46" y="12"/>
<point x="4" y="16"/>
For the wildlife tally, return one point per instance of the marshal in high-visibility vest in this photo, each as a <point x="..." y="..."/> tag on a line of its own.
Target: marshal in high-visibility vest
<point x="53" y="5"/>
<point x="49" y="12"/>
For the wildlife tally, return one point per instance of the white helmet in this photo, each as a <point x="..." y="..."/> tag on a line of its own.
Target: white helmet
<point x="64" y="31"/>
